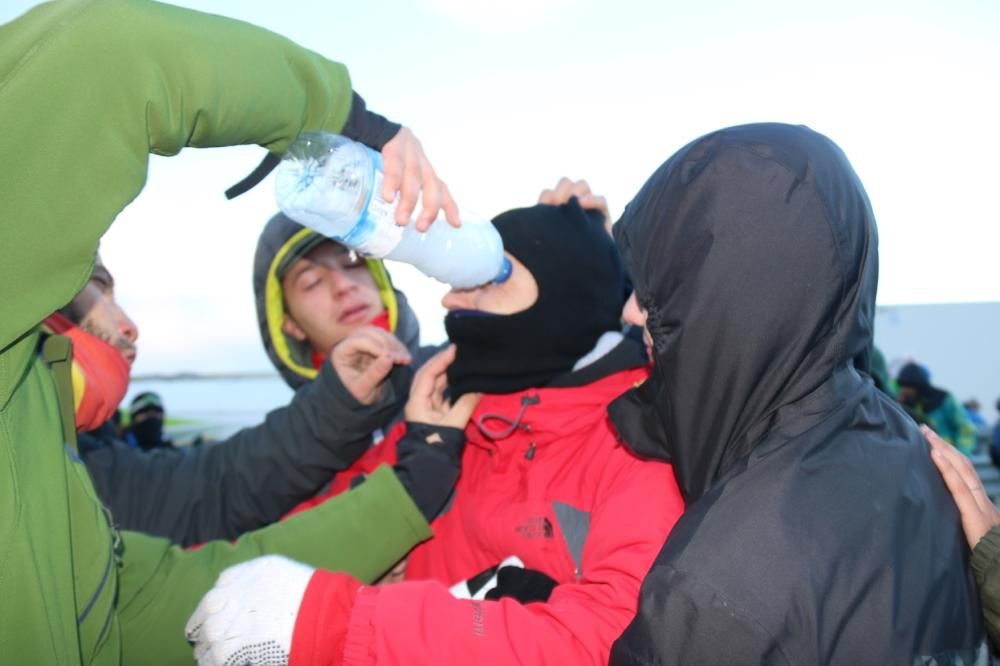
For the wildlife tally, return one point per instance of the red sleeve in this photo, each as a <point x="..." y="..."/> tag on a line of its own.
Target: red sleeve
<point x="421" y="623"/>
<point x="318" y="636"/>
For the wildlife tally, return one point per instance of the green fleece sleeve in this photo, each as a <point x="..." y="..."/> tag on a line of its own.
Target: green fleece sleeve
<point x="362" y="532"/>
<point x="986" y="567"/>
<point x="88" y="88"/>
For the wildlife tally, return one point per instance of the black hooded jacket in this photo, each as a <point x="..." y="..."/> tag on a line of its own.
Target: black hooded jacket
<point x="817" y="529"/>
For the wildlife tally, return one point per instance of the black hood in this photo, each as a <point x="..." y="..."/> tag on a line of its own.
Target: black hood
<point x="754" y="251"/>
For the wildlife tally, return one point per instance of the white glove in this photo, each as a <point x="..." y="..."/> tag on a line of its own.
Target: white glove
<point x="248" y="617"/>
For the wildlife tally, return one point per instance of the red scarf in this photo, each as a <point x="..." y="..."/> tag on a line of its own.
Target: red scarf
<point x="100" y="374"/>
<point x="381" y="321"/>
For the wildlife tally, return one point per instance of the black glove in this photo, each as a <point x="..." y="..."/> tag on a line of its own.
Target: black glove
<point x="525" y="585"/>
<point x="367" y="127"/>
<point x="428" y="462"/>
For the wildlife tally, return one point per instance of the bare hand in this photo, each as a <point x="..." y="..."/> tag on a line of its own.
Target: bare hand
<point x="408" y="171"/>
<point x="979" y="515"/>
<point x="427" y="403"/>
<point x="566" y="188"/>
<point x="364" y="359"/>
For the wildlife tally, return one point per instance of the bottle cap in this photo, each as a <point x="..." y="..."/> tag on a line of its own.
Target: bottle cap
<point x="505" y="270"/>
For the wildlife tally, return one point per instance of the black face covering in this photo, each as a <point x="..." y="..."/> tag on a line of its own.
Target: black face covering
<point x="148" y="433"/>
<point x="580" y="284"/>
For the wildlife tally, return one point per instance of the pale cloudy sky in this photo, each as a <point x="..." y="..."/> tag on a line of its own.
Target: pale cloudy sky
<point x="508" y="95"/>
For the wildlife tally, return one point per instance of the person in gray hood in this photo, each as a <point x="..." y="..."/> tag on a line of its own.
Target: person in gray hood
<point x="816" y="529"/>
<point x="311" y="294"/>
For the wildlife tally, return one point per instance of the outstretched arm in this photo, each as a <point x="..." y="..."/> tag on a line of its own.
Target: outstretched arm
<point x="89" y="89"/>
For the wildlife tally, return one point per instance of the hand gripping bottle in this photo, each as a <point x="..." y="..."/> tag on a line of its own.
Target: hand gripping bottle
<point x="334" y="186"/>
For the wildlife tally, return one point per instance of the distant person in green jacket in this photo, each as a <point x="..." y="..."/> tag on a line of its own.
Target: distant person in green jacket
<point x="87" y="91"/>
<point x="980" y="521"/>
<point x="934" y="407"/>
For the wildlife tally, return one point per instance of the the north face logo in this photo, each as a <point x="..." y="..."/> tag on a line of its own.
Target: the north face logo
<point x="537" y="527"/>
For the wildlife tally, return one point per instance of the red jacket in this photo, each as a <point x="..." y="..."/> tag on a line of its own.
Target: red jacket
<point x="560" y="492"/>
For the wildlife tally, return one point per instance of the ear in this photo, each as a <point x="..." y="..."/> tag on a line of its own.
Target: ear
<point x="290" y="327"/>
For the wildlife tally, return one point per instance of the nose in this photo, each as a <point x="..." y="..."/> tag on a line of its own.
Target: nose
<point x="459" y="299"/>
<point x="633" y="313"/>
<point x="341" y="281"/>
<point x="126" y="326"/>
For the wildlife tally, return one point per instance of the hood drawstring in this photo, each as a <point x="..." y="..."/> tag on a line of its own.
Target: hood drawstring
<point x="513" y="424"/>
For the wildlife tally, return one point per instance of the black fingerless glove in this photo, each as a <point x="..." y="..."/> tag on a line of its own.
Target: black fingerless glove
<point x="428" y="462"/>
<point x="367" y="127"/>
<point x="525" y="585"/>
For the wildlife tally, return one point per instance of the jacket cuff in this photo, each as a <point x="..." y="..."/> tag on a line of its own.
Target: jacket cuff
<point x="369" y="128"/>
<point x="360" y="628"/>
<point x="452" y="440"/>
<point x="321" y="625"/>
<point x="985" y="555"/>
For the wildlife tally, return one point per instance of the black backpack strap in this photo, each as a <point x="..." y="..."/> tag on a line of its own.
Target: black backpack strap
<point x="57" y="352"/>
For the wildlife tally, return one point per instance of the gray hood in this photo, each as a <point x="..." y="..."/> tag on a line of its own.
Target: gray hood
<point x="280" y="238"/>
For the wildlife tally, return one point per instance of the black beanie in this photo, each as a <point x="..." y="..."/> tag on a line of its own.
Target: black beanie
<point x="913" y="375"/>
<point x="580" y="281"/>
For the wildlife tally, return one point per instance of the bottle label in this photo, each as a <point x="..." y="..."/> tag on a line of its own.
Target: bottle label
<point x="380" y="218"/>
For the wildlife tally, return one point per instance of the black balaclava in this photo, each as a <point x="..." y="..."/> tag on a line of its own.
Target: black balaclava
<point x="148" y="433"/>
<point x="580" y="284"/>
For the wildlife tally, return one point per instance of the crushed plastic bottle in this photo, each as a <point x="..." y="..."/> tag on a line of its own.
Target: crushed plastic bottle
<point x="333" y="185"/>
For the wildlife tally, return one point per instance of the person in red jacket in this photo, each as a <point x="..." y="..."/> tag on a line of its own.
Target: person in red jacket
<point x="539" y="556"/>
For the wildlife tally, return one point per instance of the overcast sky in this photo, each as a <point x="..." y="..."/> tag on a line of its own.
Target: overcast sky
<point x="508" y="95"/>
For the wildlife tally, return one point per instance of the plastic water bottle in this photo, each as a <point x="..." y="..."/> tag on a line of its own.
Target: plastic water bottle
<point x="334" y="186"/>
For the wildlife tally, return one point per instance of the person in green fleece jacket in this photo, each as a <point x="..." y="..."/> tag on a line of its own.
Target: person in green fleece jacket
<point x="88" y="88"/>
<point x="980" y="522"/>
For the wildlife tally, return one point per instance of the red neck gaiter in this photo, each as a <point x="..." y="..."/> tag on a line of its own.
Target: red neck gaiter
<point x="104" y="370"/>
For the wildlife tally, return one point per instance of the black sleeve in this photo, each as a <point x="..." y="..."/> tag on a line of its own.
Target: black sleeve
<point x="362" y="125"/>
<point x="366" y="126"/>
<point x="683" y="620"/>
<point x="428" y="461"/>
<point x="222" y="490"/>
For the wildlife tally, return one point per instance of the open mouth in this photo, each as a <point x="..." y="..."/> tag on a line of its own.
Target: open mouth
<point x="354" y="314"/>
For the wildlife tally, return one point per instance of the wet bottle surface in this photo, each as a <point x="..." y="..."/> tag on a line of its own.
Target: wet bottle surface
<point x="334" y="186"/>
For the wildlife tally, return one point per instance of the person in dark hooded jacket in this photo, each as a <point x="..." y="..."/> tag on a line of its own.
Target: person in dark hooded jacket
<point x="816" y="529"/>
<point x="311" y="293"/>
